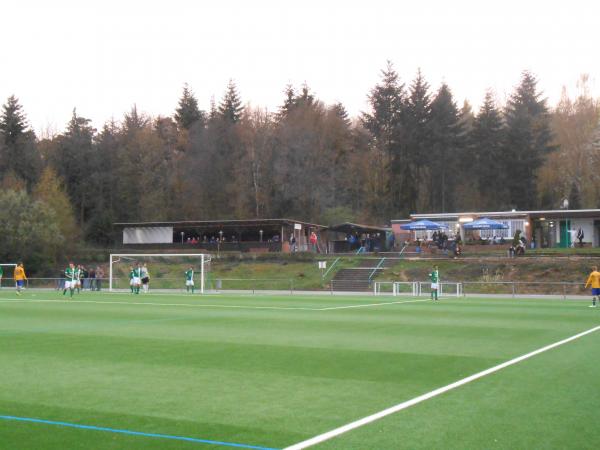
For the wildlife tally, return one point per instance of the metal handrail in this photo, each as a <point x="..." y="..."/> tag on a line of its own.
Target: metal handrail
<point x="376" y="269"/>
<point x="331" y="267"/>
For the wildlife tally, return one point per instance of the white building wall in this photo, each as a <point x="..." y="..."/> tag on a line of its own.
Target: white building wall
<point x="587" y="225"/>
<point x="148" y="235"/>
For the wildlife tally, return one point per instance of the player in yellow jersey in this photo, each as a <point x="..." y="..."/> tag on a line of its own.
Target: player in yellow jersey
<point x="594" y="281"/>
<point x="19" y="277"/>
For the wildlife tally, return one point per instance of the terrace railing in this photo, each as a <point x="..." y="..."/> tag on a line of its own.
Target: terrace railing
<point x="287" y="285"/>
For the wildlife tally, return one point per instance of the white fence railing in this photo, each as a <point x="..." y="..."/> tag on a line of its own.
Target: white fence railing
<point x="396" y="288"/>
<point x="448" y="288"/>
<point x="287" y="285"/>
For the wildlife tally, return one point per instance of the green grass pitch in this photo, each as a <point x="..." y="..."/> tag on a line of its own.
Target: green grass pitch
<point x="271" y="371"/>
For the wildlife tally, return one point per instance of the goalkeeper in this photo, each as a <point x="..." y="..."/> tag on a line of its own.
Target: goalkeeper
<point x="434" y="276"/>
<point x="189" y="279"/>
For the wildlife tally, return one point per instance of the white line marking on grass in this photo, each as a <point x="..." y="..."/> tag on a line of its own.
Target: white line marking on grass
<point x="205" y="305"/>
<point x="407" y="404"/>
<point x="367" y="305"/>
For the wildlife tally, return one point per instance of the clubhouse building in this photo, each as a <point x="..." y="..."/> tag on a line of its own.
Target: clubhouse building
<point x="544" y="228"/>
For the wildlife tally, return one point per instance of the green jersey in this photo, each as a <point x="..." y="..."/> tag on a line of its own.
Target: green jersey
<point x="189" y="275"/>
<point x="131" y="275"/>
<point x="1" y="271"/>
<point x="434" y="276"/>
<point x="71" y="274"/>
<point x="136" y="272"/>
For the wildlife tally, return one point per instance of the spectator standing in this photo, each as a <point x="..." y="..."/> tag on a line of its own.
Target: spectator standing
<point x="99" y="277"/>
<point x="293" y="242"/>
<point x="92" y="279"/>
<point x="313" y="241"/>
<point x="60" y="281"/>
<point x="85" y="278"/>
<point x="580" y="236"/>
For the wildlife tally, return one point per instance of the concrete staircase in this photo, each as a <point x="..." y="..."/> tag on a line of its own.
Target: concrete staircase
<point x="358" y="278"/>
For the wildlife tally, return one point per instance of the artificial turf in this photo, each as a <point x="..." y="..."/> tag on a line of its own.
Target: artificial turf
<point x="270" y="371"/>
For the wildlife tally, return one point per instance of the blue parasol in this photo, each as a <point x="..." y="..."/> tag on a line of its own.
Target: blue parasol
<point x="423" y="225"/>
<point x="485" y="224"/>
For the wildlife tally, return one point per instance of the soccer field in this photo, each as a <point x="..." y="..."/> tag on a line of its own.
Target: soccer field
<point x="122" y="371"/>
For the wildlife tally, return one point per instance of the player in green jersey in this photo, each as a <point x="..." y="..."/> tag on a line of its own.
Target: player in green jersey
<point x="137" y="278"/>
<point x="189" y="279"/>
<point x="1" y="275"/>
<point x="131" y="279"/>
<point x="70" y="279"/>
<point x="434" y="276"/>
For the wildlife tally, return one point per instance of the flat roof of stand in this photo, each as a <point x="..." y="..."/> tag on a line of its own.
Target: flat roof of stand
<point x="349" y="227"/>
<point x="534" y="214"/>
<point x="223" y="223"/>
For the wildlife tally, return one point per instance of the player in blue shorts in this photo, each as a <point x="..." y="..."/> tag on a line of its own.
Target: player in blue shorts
<point x="594" y="281"/>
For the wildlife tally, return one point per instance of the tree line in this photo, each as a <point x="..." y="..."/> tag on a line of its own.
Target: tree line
<point x="413" y="150"/>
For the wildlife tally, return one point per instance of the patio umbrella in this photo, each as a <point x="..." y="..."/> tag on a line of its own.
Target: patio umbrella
<point x="423" y="225"/>
<point x="485" y="224"/>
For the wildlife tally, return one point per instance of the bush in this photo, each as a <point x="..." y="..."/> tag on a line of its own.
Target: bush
<point x="30" y="231"/>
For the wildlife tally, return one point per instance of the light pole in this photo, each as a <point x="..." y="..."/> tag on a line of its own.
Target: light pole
<point x="219" y="243"/>
<point x="182" y="233"/>
<point x="261" y="235"/>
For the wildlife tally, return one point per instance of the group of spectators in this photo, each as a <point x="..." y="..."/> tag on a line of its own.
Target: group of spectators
<point x="365" y="242"/>
<point x="91" y="278"/>
<point x="441" y="241"/>
<point x="313" y="240"/>
<point x="215" y="239"/>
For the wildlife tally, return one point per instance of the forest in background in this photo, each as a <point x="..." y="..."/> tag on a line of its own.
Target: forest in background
<point x="414" y="150"/>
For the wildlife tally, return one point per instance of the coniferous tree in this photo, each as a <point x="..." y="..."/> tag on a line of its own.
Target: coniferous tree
<point x="19" y="155"/>
<point x="13" y="122"/>
<point x="99" y="227"/>
<point x="485" y="155"/>
<point x="288" y="103"/>
<point x="74" y="160"/>
<point x="416" y="143"/>
<point x="303" y="163"/>
<point x="528" y="141"/>
<point x="338" y="133"/>
<point x="187" y="113"/>
<point x="384" y="122"/>
<point x="447" y="145"/>
<point x="230" y="108"/>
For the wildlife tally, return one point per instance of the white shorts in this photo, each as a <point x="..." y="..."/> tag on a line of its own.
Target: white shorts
<point x="136" y="281"/>
<point x="77" y="283"/>
<point x="70" y="284"/>
<point x="434" y="285"/>
<point x="189" y="282"/>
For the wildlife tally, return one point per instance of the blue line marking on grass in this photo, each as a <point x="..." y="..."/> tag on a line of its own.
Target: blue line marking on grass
<point x="135" y="433"/>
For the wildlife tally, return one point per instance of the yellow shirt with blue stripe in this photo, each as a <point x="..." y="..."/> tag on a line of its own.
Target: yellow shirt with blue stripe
<point x="19" y="273"/>
<point x="594" y="280"/>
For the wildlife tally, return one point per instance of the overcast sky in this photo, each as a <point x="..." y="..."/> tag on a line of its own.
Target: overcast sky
<point x="103" y="56"/>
